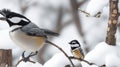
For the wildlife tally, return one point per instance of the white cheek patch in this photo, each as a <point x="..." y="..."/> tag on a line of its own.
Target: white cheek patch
<point x="75" y="45"/>
<point x="17" y="19"/>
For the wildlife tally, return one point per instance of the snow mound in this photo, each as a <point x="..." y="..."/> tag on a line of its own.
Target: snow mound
<point x="29" y="64"/>
<point x="58" y="60"/>
<point x="104" y="54"/>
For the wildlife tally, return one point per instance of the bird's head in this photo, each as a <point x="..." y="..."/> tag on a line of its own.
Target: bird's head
<point x="74" y="44"/>
<point x="13" y="18"/>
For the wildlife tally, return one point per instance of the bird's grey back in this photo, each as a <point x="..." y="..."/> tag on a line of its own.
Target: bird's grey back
<point x="34" y="30"/>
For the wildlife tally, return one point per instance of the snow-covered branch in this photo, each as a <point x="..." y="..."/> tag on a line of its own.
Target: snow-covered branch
<point x="88" y="14"/>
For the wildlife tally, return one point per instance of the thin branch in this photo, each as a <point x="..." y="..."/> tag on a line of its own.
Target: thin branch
<point x="86" y="13"/>
<point x="67" y="23"/>
<point x="59" y="20"/>
<point x="60" y="25"/>
<point x="97" y="15"/>
<point x="61" y="51"/>
<point x="71" y="57"/>
<point x="81" y="3"/>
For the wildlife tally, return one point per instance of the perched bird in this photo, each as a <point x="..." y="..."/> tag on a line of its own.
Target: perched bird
<point x="76" y="49"/>
<point x="24" y="33"/>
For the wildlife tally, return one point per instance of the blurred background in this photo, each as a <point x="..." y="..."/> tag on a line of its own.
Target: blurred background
<point x="62" y="16"/>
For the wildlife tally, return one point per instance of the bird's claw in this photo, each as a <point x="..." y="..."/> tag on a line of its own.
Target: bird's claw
<point x="25" y="59"/>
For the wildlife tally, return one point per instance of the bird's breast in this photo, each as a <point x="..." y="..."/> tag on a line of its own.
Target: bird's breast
<point x="77" y="53"/>
<point x="28" y="43"/>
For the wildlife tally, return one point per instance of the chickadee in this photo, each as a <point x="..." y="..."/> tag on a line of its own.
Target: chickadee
<point x="76" y="49"/>
<point x="24" y="33"/>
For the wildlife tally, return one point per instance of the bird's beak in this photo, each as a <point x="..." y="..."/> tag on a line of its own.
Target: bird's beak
<point x="69" y="42"/>
<point x="3" y="18"/>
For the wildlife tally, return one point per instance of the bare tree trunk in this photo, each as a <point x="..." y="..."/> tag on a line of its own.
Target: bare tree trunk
<point x="112" y="23"/>
<point x="5" y="58"/>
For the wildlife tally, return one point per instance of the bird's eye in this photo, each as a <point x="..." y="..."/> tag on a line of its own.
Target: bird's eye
<point x="17" y="19"/>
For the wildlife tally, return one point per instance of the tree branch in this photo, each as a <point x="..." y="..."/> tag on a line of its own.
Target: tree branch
<point x="112" y="23"/>
<point x="71" y="57"/>
<point x="86" y="13"/>
<point x="61" y="51"/>
<point x="81" y="3"/>
<point x="59" y="19"/>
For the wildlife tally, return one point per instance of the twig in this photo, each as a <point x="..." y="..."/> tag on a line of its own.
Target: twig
<point x="81" y="3"/>
<point x="97" y="15"/>
<point x="103" y="66"/>
<point x="71" y="57"/>
<point x="87" y="14"/>
<point x="21" y="61"/>
<point x="61" y="51"/>
<point x="59" y="20"/>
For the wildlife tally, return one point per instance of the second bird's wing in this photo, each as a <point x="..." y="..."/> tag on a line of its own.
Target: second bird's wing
<point x="33" y="30"/>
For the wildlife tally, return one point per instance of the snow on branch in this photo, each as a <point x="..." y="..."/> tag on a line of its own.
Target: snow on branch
<point x="95" y="6"/>
<point x="88" y="14"/>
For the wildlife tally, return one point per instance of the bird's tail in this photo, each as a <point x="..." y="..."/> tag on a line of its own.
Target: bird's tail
<point x="48" y="32"/>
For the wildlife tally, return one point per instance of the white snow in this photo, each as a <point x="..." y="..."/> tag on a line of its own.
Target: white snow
<point x="95" y="6"/>
<point x="112" y="60"/>
<point x="7" y="43"/>
<point x="104" y="54"/>
<point x="29" y="64"/>
<point x="58" y="60"/>
<point x="5" y="40"/>
<point x="87" y="65"/>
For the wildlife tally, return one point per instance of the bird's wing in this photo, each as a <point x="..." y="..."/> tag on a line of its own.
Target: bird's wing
<point x="34" y="30"/>
<point x="81" y="51"/>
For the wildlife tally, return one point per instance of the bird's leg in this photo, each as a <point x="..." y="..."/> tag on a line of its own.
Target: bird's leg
<point x="25" y="59"/>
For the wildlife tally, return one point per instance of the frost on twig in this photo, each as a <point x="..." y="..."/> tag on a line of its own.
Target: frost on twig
<point x="88" y="14"/>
